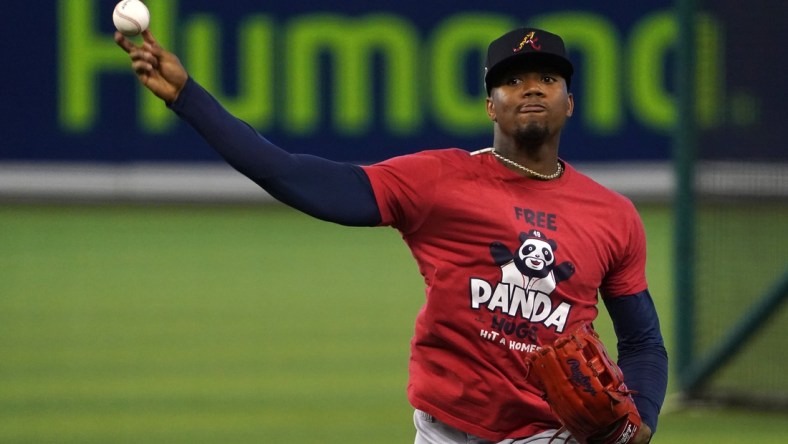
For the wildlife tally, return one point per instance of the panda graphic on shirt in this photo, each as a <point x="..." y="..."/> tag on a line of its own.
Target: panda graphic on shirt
<point x="532" y="267"/>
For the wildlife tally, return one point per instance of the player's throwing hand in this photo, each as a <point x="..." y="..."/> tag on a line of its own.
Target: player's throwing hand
<point x="158" y="69"/>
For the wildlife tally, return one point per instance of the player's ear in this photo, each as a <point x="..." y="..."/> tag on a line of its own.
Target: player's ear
<point x="570" y="104"/>
<point x="491" y="110"/>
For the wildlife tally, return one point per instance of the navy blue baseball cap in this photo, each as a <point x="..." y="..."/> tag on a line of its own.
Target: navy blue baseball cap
<point x="526" y="45"/>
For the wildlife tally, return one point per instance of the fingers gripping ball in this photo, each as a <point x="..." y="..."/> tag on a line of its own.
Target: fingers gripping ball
<point x="585" y="388"/>
<point x="131" y="17"/>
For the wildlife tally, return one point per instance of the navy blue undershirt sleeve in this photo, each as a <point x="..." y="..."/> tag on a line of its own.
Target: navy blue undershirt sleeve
<point x="333" y="191"/>
<point x="641" y="352"/>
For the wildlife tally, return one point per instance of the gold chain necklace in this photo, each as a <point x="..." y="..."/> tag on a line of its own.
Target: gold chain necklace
<point x="559" y="170"/>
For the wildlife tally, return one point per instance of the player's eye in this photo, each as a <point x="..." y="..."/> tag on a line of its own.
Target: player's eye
<point x="548" y="79"/>
<point x="512" y="81"/>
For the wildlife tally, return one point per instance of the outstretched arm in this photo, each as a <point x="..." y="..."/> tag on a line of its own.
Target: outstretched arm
<point x="332" y="191"/>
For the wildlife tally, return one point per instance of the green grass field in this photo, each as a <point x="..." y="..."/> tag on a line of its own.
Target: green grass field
<point x="235" y="324"/>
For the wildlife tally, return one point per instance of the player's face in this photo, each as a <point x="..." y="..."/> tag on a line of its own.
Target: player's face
<point x="530" y="102"/>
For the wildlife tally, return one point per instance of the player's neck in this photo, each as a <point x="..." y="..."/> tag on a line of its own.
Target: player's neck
<point x="541" y="157"/>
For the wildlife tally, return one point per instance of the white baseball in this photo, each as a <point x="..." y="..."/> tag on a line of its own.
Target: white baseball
<point x="131" y="17"/>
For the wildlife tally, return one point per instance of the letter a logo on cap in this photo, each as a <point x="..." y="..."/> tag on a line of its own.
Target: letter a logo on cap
<point x="529" y="39"/>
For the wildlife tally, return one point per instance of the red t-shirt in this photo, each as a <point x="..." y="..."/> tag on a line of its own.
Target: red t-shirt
<point x="509" y="263"/>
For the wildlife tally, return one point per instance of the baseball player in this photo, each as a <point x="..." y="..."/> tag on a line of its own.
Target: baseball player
<point x="514" y="244"/>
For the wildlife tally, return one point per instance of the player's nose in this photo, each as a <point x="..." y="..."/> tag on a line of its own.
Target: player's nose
<point x="532" y="89"/>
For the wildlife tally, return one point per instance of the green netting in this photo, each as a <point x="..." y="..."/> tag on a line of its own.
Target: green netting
<point x="736" y="323"/>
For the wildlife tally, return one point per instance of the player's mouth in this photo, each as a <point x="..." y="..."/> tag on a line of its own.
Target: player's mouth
<point x="535" y="263"/>
<point x="531" y="108"/>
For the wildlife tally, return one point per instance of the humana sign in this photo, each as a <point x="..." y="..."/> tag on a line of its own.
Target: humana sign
<point x="350" y="73"/>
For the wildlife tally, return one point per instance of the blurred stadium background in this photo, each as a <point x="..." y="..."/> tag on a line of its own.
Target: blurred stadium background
<point x="148" y="293"/>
